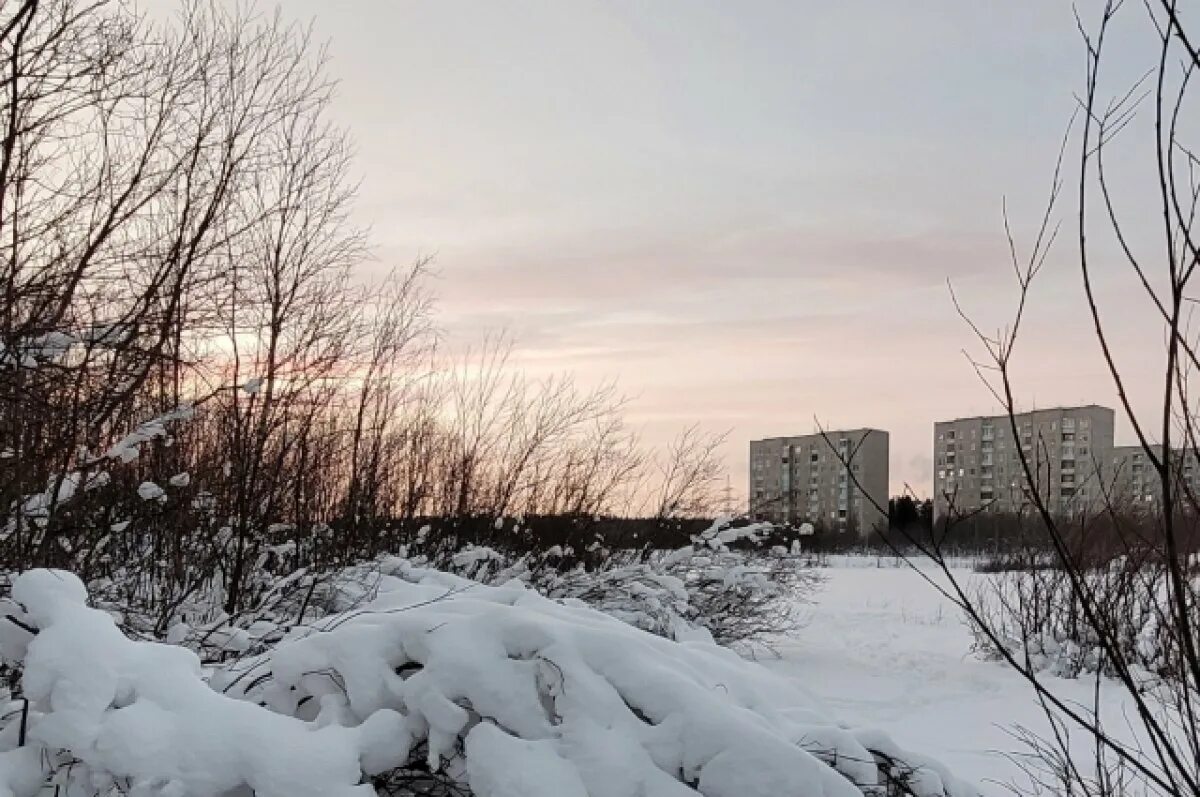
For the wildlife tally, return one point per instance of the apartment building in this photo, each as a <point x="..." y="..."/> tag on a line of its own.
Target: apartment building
<point x="1135" y="482"/>
<point x="836" y="480"/>
<point x="977" y="461"/>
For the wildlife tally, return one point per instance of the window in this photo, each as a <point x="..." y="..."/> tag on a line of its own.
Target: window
<point x="814" y="457"/>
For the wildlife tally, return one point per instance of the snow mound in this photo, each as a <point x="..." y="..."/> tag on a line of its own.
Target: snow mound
<point x="142" y="712"/>
<point x="149" y="491"/>
<point x="497" y="688"/>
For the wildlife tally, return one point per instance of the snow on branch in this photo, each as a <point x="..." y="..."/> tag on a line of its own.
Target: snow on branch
<point x="494" y="689"/>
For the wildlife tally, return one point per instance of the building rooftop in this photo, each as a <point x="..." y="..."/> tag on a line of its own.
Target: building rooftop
<point x="829" y="432"/>
<point x="1027" y="412"/>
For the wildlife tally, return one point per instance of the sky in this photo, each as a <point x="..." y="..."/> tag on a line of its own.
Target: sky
<point x="744" y="213"/>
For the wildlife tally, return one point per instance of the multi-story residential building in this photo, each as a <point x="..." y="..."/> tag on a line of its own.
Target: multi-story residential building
<point x="1135" y="483"/>
<point x="977" y="461"/>
<point x="838" y="480"/>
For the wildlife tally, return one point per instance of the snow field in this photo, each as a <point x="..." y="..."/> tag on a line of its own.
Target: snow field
<point x="883" y="648"/>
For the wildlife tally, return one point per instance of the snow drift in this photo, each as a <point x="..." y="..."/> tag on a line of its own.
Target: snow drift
<point x="496" y="688"/>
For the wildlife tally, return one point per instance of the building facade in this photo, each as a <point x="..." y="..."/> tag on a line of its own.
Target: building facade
<point x="837" y="480"/>
<point x="977" y="461"/>
<point x="1136" y="483"/>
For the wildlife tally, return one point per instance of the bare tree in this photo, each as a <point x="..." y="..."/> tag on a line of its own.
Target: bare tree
<point x="688" y="473"/>
<point x="196" y="384"/>
<point x="1099" y="577"/>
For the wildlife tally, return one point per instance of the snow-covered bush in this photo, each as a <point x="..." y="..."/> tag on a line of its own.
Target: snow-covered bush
<point x="731" y="596"/>
<point x="724" y="585"/>
<point x="741" y="596"/>
<point x="1037" y="610"/>
<point x="490" y="690"/>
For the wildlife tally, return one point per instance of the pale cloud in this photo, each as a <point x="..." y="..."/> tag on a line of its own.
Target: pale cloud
<point x="745" y="213"/>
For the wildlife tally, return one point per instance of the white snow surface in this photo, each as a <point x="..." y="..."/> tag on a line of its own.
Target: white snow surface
<point x="128" y="448"/>
<point x="149" y="491"/>
<point x="509" y="691"/>
<point x="882" y="647"/>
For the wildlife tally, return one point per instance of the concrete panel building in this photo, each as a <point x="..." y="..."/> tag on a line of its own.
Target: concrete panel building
<point x="977" y="460"/>
<point x="1135" y="483"/>
<point x="806" y="479"/>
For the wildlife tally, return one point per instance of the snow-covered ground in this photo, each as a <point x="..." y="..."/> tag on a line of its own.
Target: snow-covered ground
<point x="884" y="649"/>
<point x="497" y="687"/>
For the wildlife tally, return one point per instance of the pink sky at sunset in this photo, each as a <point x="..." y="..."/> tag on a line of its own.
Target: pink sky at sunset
<point x="745" y="214"/>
